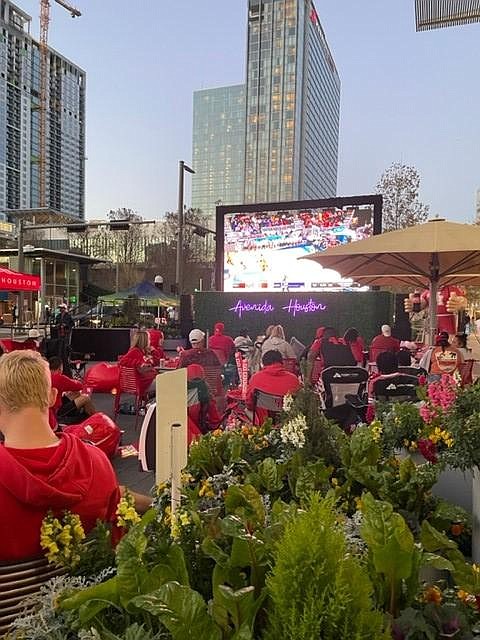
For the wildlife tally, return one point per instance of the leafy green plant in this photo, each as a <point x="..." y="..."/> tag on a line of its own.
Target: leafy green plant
<point x="316" y="589"/>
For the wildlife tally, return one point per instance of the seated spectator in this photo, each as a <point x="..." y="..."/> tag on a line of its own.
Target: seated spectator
<point x="315" y="358"/>
<point x="203" y="416"/>
<point x="354" y="340"/>
<point x="156" y="344"/>
<point x="39" y="470"/>
<point x="404" y="358"/>
<point x="383" y="342"/>
<point x="443" y="358"/>
<point x="222" y="344"/>
<point x="206" y="358"/>
<point x="273" y="378"/>
<point x="71" y="404"/>
<point x="387" y="367"/>
<point x="460" y="342"/>
<point x="140" y="358"/>
<point x="335" y="352"/>
<point x="275" y="341"/>
<point x="32" y="342"/>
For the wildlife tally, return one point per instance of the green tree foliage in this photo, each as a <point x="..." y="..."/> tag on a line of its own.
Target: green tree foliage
<point x="317" y="589"/>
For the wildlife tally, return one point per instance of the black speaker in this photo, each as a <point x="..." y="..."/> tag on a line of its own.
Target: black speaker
<point x="186" y="314"/>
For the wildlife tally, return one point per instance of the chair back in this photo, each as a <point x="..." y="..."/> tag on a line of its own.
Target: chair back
<point x="298" y="347"/>
<point x="213" y="378"/>
<point x="192" y="397"/>
<point x="412" y="371"/>
<point x="466" y="371"/>
<point x="128" y="380"/>
<point x="269" y="402"/>
<point x="147" y="439"/>
<point x="18" y="581"/>
<point x="341" y="381"/>
<point x="400" y="388"/>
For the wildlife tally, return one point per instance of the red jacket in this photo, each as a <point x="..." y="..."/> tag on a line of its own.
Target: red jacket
<point x="73" y="475"/>
<point x="272" y="379"/>
<point x="382" y="343"/>
<point x="63" y="384"/>
<point x="223" y="344"/>
<point x="135" y="358"/>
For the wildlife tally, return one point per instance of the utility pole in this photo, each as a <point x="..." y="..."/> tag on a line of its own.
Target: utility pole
<point x="182" y="167"/>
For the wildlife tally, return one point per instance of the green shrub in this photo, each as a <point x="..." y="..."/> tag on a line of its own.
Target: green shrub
<point x="317" y="590"/>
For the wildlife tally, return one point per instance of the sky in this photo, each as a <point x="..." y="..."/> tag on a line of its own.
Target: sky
<point x="406" y="96"/>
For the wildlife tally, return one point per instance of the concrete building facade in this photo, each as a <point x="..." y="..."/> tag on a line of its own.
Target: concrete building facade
<point x="19" y="121"/>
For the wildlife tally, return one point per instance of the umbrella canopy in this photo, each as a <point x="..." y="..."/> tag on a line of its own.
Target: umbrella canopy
<point x="15" y="281"/>
<point x="144" y="291"/>
<point x="431" y="254"/>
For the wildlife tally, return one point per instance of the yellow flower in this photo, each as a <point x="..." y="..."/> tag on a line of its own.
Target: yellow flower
<point x="126" y="513"/>
<point x="377" y="429"/>
<point x="184" y="519"/>
<point x="475" y="568"/>
<point x="217" y="433"/>
<point x="334" y="482"/>
<point x="358" y="504"/>
<point x="186" y="478"/>
<point x="167" y="515"/>
<point x="161" y="488"/>
<point x="432" y="594"/>
<point x="465" y="597"/>
<point x="206" y="490"/>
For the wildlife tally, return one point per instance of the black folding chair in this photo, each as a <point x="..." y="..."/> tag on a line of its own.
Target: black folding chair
<point x="269" y="402"/>
<point x="345" y="394"/>
<point x="412" y="371"/>
<point x="400" y="388"/>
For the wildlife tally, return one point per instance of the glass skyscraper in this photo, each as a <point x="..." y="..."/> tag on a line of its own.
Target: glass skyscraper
<point x="292" y="104"/>
<point x="218" y="147"/>
<point x="19" y="122"/>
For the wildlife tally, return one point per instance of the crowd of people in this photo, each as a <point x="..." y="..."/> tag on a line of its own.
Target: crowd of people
<point x="43" y="467"/>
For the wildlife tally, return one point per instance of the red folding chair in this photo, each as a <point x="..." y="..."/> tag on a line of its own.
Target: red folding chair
<point x="129" y="384"/>
<point x="466" y="372"/>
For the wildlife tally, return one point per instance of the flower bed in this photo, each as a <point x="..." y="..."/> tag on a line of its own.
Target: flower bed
<point x="298" y="532"/>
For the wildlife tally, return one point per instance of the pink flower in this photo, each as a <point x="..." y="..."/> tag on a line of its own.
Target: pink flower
<point x="428" y="450"/>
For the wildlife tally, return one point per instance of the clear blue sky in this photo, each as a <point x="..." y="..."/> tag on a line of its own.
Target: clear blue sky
<point x="406" y="96"/>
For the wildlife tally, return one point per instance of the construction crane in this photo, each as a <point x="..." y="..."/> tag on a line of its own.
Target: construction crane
<point x="42" y="157"/>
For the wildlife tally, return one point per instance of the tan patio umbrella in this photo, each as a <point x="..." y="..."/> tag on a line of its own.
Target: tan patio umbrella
<point x="433" y="254"/>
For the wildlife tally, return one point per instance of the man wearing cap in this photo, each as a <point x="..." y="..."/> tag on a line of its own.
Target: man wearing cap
<point x="32" y="341"/>
<point x="206" y="358"/>
<point x="383" y="342"/>
<point x="222" y="344"/>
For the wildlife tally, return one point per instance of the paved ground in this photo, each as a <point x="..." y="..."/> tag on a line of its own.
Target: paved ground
<point x="127" y="469"/>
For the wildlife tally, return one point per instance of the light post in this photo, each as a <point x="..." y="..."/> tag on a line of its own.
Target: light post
<point x="182" y="167"/>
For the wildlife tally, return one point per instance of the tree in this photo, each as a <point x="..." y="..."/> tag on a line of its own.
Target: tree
<point x="399" y="186"/>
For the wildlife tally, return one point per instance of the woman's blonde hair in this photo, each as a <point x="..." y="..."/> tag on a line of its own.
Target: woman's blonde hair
<point x="24" y="381"/>
<point x="277" y="332"/>
<point x="141" y="339"/>
<point x="268" y="330"/>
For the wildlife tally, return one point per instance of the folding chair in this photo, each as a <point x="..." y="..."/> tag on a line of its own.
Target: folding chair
<point x="17" y="582"/>
<point x="345" y="394"/>
<point x="400" y="388"/>
<point x="267" y="401"/>
<point x="466" y="372"/>
<point x="129" y="383"/>
<point x="412" y="371"/>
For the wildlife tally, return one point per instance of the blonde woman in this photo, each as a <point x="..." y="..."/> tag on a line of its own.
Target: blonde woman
<point x="275" y="341"/>
<point x="139" y="357"/>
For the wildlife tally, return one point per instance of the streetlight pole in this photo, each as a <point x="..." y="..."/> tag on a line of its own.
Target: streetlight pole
<point x="182" y="167"/>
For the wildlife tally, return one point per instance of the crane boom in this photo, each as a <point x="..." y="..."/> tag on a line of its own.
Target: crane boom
<point x="42" y="157"/>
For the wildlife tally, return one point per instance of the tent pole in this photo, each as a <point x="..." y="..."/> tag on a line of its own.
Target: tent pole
<point x="434" y="280"/>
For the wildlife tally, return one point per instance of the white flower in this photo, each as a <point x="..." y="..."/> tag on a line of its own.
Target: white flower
<point x="287" y="402"/>
<point x="293" y="431"/>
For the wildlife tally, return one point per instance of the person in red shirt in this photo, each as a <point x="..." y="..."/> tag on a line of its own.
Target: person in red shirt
<point x="354" y="340"/>
<point x="156" y="344"/>
<point x="40" y="471"/>
<point x="208" y="359"/>
<point x="273" y="378"/>
<point x="202" y="415"/>
<point x="383" y="342"/>
<point x="139" y="357"/>
<point x="222" y="344"/>
<point x="70" y="404"/>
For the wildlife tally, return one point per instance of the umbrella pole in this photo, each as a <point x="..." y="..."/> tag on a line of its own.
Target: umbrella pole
<point x="434" y="279"/>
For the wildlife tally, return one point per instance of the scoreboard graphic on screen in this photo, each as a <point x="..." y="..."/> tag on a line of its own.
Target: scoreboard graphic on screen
<point x="259" y="246"/>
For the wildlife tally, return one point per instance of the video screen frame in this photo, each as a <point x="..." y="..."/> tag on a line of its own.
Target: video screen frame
<point x="294" y="205"/>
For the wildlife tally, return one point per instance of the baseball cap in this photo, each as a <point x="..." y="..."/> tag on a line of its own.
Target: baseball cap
<point x="33" y="333"/>
<point x="386" y="330"/>
<point x="195" y="336"/>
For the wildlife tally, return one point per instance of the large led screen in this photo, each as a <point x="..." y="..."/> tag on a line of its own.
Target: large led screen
<point x="261" y="248"/>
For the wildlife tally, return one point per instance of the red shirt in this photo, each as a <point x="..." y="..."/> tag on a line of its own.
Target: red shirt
<point x="274" y="379"/>
<point x="382" y="343"/>
<point x="357" y="348"/>
<point x="63" y="384"/>
<point x="72" y="476"/>
<point x="224" y="344"/>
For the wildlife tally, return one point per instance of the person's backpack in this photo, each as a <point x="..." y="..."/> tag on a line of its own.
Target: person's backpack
<point x="100" y="431"/>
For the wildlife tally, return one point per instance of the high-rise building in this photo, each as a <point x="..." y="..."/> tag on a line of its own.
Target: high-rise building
<point x="477" y="207"/>
<point x="19" y="122"/>
<point x="293" y="104"/>
<point x="218" y="147"/>
<point x="435" y="14"/>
